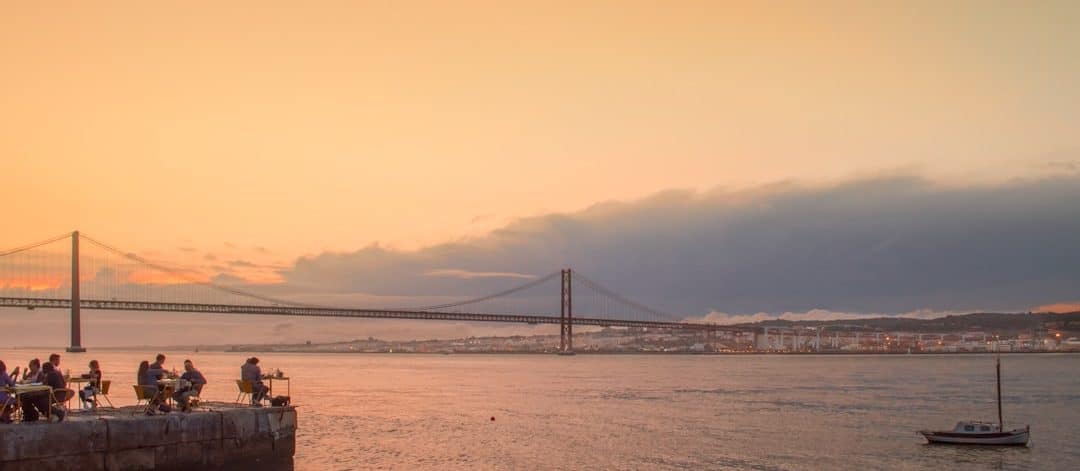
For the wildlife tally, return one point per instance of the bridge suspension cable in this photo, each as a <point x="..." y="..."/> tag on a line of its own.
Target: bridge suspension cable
<point x="616" y="305"/>
<point x="187" y="277"/>
<point x="500" y="294"/>
<point x="35" y="245"/>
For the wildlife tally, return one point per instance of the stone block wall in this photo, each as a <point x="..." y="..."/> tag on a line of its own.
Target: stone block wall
<point x="198" y="440"/>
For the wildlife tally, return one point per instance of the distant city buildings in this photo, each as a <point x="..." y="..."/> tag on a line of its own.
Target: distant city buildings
<point x="800" y="339"/>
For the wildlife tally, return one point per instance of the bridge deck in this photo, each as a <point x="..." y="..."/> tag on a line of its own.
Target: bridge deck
<point x="47" y="303"/>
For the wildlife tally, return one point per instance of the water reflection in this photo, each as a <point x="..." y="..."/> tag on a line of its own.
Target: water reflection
<point x="432" y="412"/>
<point x="983" y="457"/>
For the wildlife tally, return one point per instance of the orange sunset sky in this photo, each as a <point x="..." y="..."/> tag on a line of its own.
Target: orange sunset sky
<point x="256" y="133"/>
<point x="338" y="124"/>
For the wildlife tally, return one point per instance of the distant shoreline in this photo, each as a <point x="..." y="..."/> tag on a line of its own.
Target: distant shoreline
<point x="176" y="349"/>
<point x="654" y="353"/>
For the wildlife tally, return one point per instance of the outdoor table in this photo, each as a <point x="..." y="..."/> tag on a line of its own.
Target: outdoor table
<point x="288" y="384"/>
<point x="166" y="387"/>
<point x="20" y="389"/>
<point x="76" y="384"/>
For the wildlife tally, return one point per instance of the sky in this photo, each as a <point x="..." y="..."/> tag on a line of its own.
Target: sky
<point x="715" y="158"/>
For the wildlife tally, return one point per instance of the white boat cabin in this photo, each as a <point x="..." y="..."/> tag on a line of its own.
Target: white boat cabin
<point x="976" y="427"/>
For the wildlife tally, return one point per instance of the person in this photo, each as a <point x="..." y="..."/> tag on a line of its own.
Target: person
<point x="55" y="379"/>
<point x="33" y="372"/>
<point x="54" y="358"/>
<point x="159" y="362"/>
<point x="147" y="378"/>
<point x="143" y="378"/>
<point x="191" y="384"/>
<point x="251" y="373"/>
<point x="37" y="403"/>
<point x="88" y="394"/>
<point x="7" y="401"/>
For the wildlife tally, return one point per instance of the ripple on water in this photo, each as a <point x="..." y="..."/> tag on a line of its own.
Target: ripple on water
<point x="653" y="412"/>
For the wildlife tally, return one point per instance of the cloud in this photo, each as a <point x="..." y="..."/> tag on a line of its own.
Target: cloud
<point x="1062" y="307"/>
<point x="186" y="249"/>
<point x="227" y="279"/>
<point x="210" y="257"/>
<point x="897" y="245"/>
<point x="1065" y="165"/>
<point x="465" y="274"/>
<point x="481" y="218"/>
<point x="888" y="245"/>
<point x="240" y="263"/>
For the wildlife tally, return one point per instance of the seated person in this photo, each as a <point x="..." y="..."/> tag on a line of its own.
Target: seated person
<point x="88" y="394"/>
<point x="55" y="379"/>
<point x="33" y="373"/>
<point x="148" y="380"/>
<point x="55" y="360"/>
<point x="37" y="403"/>
<point x="7" y="401"/>
<point x="190" y="384"/>
<point x="251" y="373"/>
<point x="159" y="364"/>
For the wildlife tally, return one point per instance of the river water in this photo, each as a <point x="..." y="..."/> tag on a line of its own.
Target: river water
<point x="361" y="411"/>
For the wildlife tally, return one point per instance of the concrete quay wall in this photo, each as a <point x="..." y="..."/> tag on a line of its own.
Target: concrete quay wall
<point x="232" y="438"/>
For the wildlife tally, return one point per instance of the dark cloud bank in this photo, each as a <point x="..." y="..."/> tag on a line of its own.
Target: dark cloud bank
<point x="883" y="245"/>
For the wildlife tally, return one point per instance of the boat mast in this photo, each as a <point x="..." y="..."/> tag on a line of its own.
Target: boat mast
<point x="1001" y="424"/>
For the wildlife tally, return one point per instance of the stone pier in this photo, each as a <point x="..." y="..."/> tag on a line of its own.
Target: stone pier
<point x="219" y="438"/>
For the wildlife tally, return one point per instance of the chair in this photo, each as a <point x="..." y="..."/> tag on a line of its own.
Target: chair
<point x="66" y="401"/>
<point x="142" y="394"/>
<point x="247" y="388"/>
<point x="195" y="399"/>
<point x="154" y="401"/>
<point x="11" y="401"/>
<point x="103" y="391"/>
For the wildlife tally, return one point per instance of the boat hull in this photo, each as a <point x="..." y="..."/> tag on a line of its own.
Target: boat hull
<point x="1013" y="438"/>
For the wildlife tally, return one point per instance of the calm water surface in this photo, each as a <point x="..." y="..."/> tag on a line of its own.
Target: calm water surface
<point x="364" y="411"/>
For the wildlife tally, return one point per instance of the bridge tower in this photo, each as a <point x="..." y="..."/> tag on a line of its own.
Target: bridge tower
<point x="566" y="315"/>
<point x="76" y="321"/>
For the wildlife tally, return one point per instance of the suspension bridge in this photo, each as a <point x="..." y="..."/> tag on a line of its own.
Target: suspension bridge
<point x="62" y="272"/>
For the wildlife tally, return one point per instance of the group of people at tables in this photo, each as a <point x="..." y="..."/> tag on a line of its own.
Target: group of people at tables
<point x="190" y="384"/>
<point x="151" y="379"/>
<point x="38" y="401"/>
<point x="48" y="401"/>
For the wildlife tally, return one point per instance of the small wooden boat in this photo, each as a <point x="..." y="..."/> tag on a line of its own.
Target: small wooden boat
<point x="981" y="433"/>
<point x="978" y="433"/>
